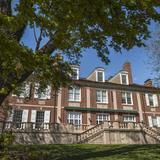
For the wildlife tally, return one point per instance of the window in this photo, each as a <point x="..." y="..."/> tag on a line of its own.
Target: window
<point x="129" y="118"/>
<point x="154" y="121"/>
<point x="102" y="117"/>
<point x="42" y="93"/>
<point x="151" y="100"/>
<point x="74" y="94"/>
<point x="39" y="119"/>
<point x="17" y="118"/>
<point x="74" y="118"/>
<point x="124" y="79"/>
<point x="127" y="98"/>
<point x="101" y="96"/>
<point x="75" y="74"/>
<point x="100" y="76"/>
<point x="23" y="91"/>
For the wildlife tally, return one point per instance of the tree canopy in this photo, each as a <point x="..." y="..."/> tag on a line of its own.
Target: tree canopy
<point x="65" y="28"/>
<point x="154" y="55"/>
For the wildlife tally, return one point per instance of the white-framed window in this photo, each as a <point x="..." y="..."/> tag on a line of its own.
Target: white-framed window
<point x="100" y="76"/>
<point x="74" y="93"/>
<point x="129" y="118"/>
<point x="151" y="100"/>
<point x="45" y="94"/>
<point x="154" y="121"/>
<point x="19" y="116"/>
<point x="24" y="90"/>
<point x="101" y="96"/>
<point x="75" y="74"/>
<point x="127" y="98"/>
<point x="39" y="118"/>
<point x="74" y="118"/>
<point x="124" y="78"/>
<point x="100" y="117"/>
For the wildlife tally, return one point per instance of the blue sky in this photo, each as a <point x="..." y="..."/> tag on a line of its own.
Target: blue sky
<point x="138" y="57"/>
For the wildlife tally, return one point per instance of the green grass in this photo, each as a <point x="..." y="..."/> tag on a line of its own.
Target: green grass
<point x="87" y="152"/>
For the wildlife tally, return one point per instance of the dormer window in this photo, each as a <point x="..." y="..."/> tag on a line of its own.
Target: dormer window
<point x="124" y="79"/>
<point x="75" y="74"/>
<point x="100" y="76"/>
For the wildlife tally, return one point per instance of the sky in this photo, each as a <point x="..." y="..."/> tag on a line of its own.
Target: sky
<point x="138" y="57"/>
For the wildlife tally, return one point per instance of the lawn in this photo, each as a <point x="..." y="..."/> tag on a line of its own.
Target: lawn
<point x="86" y="152"/>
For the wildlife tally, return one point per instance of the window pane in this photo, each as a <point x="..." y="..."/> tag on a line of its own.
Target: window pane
<point x="123" y="98"/>
<point x="39" y="118"/>
<point x="17" y="118"/>
<point x="150" y="96"/>
<point x="74" y="94"/>
<point x="70" y="92"/>
<point x="129" y="118"/>
<point x="124" y="79"/>
<point x="129" y="98"/>
<point x="75" y="73"/>
<point x="98" y="96"/>
<point x="100" y="76"/>
<point x="101" y="117"/>
<point x="74" y="118"/>
<point x="103" y="96"/>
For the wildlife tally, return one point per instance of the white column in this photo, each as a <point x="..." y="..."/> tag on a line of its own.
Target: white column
<point x="139" y="107"/>
<point x="59" y="105"/>
<point x="88" y="105"/>
<point x="115" y="103"/>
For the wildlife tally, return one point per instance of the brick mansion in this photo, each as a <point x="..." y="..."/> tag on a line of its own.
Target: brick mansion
<point x="90" y="110"/>
<point x="90" y="101"/>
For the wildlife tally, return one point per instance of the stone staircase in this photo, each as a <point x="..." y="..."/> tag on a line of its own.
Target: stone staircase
<point x="91" y="133"/>
<point x="153" y="132"/>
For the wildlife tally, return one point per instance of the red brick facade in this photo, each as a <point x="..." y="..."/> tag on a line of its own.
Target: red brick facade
<point x="87" y="107"/>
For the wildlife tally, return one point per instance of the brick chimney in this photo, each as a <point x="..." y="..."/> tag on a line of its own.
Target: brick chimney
<point x="148" y="83"/>
<point x="127" y="67"/>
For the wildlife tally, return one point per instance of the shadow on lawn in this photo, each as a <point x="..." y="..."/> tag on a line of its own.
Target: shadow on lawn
<point x="128" y="151"/>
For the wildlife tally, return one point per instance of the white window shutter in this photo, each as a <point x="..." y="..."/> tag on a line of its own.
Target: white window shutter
<point x="25" y="115"/>
<point x="27" y="89"/>
<point x="155" y="100"/>
<point x="36" y="90"/>
<point x="46" y="116"/>
<point x="147" y="99"/>
<point x="33" y="116"/>
<point x="48" y="92"/>
<point x="106" y="96"/>
<point x="10" y="116"/>
<point x="158" y="121"/>
<point x="150" y="121"/>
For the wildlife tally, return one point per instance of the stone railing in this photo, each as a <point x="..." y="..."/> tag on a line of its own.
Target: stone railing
<point x="121" y="125"/>
<point x="42" y="127"/>
<point x="56" y="127"/>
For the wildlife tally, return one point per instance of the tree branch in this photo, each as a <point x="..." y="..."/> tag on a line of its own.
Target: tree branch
<point x="38" y="40"/>
<point x="48" y="48"/>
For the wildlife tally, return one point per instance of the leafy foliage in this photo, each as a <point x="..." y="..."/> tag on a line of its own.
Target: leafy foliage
<point x="67" y="27"/>
<point x="154" y="50"/>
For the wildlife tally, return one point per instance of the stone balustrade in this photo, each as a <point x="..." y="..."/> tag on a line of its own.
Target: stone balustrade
<point x="56" y="127"/>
